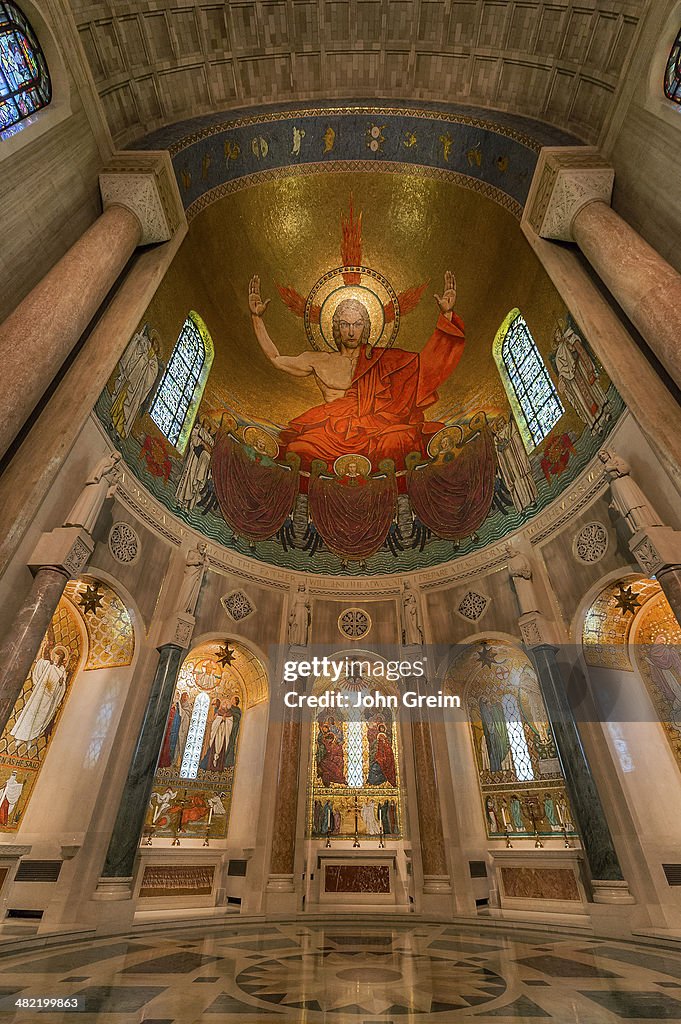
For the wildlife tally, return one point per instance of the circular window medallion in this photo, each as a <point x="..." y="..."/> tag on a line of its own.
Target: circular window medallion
<point x="354" y="623"/>
<point x="124" y="543"/>
<point x="591" y="543"/>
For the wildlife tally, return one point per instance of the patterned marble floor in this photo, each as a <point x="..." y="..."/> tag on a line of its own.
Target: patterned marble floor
<point x="360" y="972"/>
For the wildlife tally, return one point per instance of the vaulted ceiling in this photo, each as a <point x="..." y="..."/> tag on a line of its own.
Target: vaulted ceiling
<point x="160" y="61"/>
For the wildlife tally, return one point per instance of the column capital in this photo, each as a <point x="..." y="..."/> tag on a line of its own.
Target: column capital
<point x="177" y="631"/>
<point x="66" y="549"/>
<point x="144" y="183"/>
<point x="536" y="631"/>
<point x="566" y="179"/>
<point x="656" y="548"/>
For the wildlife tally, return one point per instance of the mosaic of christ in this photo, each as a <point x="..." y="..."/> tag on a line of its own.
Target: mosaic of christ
<point x="374" y="398"/>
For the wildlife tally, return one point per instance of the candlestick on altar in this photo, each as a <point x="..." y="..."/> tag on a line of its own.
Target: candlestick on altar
<point x="509" y="844"/>
<point x="355" y="844"/>
<point x="381" y="844"/>
<point x="568" y="844"/>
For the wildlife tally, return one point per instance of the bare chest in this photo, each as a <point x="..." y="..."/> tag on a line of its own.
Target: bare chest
<point x="333" y="372"/>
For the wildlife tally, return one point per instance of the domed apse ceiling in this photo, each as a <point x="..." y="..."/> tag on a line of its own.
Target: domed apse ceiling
<point x="416" y="458"/>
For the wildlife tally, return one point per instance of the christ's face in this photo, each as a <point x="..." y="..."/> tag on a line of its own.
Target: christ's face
<point x="351" y="324"/>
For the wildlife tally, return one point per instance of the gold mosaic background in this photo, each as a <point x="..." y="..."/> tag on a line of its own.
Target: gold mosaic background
<point x="27" y="757"/>
<point x="111" y="637"/>
<point x="414" y="228"/>
<point x="605" y="634"/>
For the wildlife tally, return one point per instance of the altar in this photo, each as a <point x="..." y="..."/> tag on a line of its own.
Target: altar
<point x="358" y="877"/>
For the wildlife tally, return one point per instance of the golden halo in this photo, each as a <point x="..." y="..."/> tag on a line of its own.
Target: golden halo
<point x="340" y="466"/>
<point x="452" y="435"/>
<point x="373" y="290"/>
<point x="261" y="440"/>
<point x="65" y="651"/>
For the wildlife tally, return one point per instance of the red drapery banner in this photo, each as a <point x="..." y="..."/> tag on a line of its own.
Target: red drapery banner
<point x="453" y="498"/>
<point x="353" y="516"/>
<point x="255" y="493"/>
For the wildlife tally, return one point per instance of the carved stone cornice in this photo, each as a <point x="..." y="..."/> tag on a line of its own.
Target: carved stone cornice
<point x="145" y="184"/>
<point x="566" y="179"/>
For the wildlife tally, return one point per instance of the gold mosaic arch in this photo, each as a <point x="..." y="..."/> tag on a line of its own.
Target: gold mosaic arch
<point x="240" y="668"/>
<point x="34" y="719"/>
<point x="656" y="650"/>
<point x="522" y="789"/>
<point x="110" y="632"/>
<point x="607" y="626"/>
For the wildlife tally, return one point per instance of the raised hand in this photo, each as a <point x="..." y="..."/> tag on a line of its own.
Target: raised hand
<point x="448" y="298"/>
<point x="255" y="303"/>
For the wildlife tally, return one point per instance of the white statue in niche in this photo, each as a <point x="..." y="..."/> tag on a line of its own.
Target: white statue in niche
<point x="299" y="618"/>
<point x="627" y="497"/>
<point x="520" y="571"/>
<point x="411" y="620"/>
<point x="98" y="487"/>
<point x="190" y="588"/>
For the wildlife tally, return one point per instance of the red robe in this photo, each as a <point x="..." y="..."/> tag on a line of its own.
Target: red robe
<point x="380" y="416"/>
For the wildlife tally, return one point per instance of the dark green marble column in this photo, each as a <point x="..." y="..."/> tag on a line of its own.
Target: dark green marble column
<point x="586" y="803"/>
<point x="126" y="834"/>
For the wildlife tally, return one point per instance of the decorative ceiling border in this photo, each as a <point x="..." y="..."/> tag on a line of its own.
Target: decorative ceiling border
<point x="250" y="121"/>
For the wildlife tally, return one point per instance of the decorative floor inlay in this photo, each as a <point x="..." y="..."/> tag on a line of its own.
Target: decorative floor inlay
<point x="365" y="972"/>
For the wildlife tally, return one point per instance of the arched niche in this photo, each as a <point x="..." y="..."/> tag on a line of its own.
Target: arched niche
<point x="221" y="686"/>
<point x="510" y="747"/>
<point x="65" y="715"/>
<point x="354" y="767"/>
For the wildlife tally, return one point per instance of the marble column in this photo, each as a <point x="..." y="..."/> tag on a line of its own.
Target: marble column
<point x="584" y="799"/>
<point x="646" y="287"/>
<point x="58" y="557"/>
<point x="570" y="202"/>
<point x="282" y="856"/>
<point x="39" y="335"/>
<point x="608" y="884"/>
<point x="120" y="858"/>
<point x="435" y="872"/>
<point x="144" y="184"/>
<point x="115" y="882"/>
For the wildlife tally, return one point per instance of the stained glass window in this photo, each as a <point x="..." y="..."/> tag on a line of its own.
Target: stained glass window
<point x="179" y="393"/>
<point x="672" y="75"/>
<point x="355" y="754"/>
<point x="353" y="782"/>
<point x="522" y="762"/>
<point x="24" y="79"/>
<point x="197" y="727"/>
<point x="533" y="388"/>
